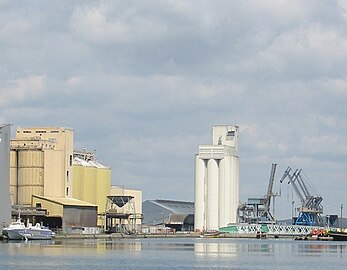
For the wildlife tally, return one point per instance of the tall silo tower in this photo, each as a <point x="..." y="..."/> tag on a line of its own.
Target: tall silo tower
<point x="5" y="202"/>
<point x="217" y="180"/>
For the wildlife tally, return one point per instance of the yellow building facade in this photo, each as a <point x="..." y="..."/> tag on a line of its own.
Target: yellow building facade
<point x="92" y="182"/>
<point x="40" y="164"/>
<point x="44" y="164"/>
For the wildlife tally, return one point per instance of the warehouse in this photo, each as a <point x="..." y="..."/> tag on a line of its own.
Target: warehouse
<point x="68" y="214"/>
<point x="177" y="215"/>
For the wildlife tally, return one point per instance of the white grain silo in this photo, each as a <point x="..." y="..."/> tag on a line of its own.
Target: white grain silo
<point x="217" y="180"/>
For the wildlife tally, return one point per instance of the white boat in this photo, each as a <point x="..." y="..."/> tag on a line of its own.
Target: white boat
<point x="37" y="232"/>
<point x="18" y="231"/>
<point x="14" y="231"/>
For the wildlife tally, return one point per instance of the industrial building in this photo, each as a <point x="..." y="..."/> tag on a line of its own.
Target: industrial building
<point x="41" y="164"/>
<point x="217" y="180"/>
<point x="123" y="211"/>
<point x="177" y="215"/>
<point x="91" y="181"/>
<point x="5" y="204"/>
<point x="44" y="166"/>
<point x="69" y="214"/>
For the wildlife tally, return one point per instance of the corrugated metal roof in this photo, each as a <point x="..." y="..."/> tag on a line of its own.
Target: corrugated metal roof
<point x="177" y="207"/>
<point x="66" y="201"/>
<point x="90" y="163"/>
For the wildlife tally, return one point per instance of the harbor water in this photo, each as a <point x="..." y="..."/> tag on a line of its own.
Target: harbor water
<point x="165" y="253"/>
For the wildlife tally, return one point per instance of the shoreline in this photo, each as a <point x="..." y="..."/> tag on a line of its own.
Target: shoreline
<point x="115" y="236"/>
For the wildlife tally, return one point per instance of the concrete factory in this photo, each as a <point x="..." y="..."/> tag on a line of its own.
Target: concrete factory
<point x="45" y="180"/>
<point x="65" y="189"/>
<point x="217" y="180"/>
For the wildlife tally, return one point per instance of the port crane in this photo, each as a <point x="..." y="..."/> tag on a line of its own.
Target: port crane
<point x="269" y="194"/>
<point x="257" y="210"/>
<point x="311" y="209"/>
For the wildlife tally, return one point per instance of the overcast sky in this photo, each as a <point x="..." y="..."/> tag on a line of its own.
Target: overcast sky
<point x="142" y="83"/>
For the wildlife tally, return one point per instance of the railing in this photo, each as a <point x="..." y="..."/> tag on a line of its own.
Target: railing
<point x="269" y="229"/>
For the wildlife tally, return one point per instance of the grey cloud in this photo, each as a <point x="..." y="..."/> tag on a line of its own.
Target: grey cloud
<point x="142" y="83"/>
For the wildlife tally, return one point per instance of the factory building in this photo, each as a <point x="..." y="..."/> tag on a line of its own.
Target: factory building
<point x="91" y="181"/>
<point x="177" y="215"/>
<point x="217" y="180"/>
<point x="43" y="164"/>
<point x="69" y="214"/>
<point x="5" y="204"/>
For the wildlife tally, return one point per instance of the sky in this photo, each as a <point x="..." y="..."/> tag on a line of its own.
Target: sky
<point x="142" y="83"/>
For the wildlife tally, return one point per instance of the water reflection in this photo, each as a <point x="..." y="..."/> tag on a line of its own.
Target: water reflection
<point x="171" y="253"/>
<point x="208" y="249"/>
<point x="317" y="248"/>
<point x="265" y="247"/>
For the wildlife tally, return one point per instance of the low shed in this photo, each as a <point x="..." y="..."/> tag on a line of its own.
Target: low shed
<point x="67" y="213"/>
<point x="178" y="215"/>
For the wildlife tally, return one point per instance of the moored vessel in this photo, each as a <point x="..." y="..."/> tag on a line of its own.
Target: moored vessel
<point x="338" y="235"/>
<point x="18" y="231"/>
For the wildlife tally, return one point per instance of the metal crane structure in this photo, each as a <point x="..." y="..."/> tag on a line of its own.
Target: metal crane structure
<point x="257" y="210"/>
<point x="311" y="209"/>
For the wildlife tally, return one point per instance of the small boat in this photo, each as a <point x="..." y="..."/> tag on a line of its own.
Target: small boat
<point x="210" y="234"/>
<point x="14" y="230"/>
<point x="338" y="235"/>
<point x="18" y="231"/>
<point x="37" y="232"/>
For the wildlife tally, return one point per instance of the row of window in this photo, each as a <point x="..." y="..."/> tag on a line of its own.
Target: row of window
<point x="39" y="131"/>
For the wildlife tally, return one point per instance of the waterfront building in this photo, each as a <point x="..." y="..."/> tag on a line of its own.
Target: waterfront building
<point x="91" y="180"/>
<point x="5" y="204"/>
<point x="41" y="164"/>
<point x="69" y="214"/>
<point x="177" y="215"/>
<point x="217" y="180"/>
<point x="44" y="165"/>
<point x="123" y="212"/>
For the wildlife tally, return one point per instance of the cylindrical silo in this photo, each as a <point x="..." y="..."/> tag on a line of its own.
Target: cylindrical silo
<point x="199" y="200"/>
<point x="13" y="177"/>
<point x="30" y="175"/>
<point x="234" y="187"/>
<point x="225" y="191"/>
<point x="90" y="184"/>
<point x="102" y="188"/>
<point x="212" y="215"/>
<point x="222" y="193"/>
<point x="78" y="182"/>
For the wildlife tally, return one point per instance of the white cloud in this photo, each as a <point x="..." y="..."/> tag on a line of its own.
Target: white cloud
<point x="103" y="24"/>
<point x="154" y="76"/>
<point x="22" y="89"/>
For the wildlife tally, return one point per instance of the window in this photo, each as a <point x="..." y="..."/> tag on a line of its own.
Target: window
<point x="230" y="135"/>
<point x="67" y="176"/>
<point x="70" y="160"/>
<point x="67" y="191"/>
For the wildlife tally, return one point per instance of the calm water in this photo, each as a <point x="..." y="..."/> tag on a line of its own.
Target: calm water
<point x="152" y="254"/>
